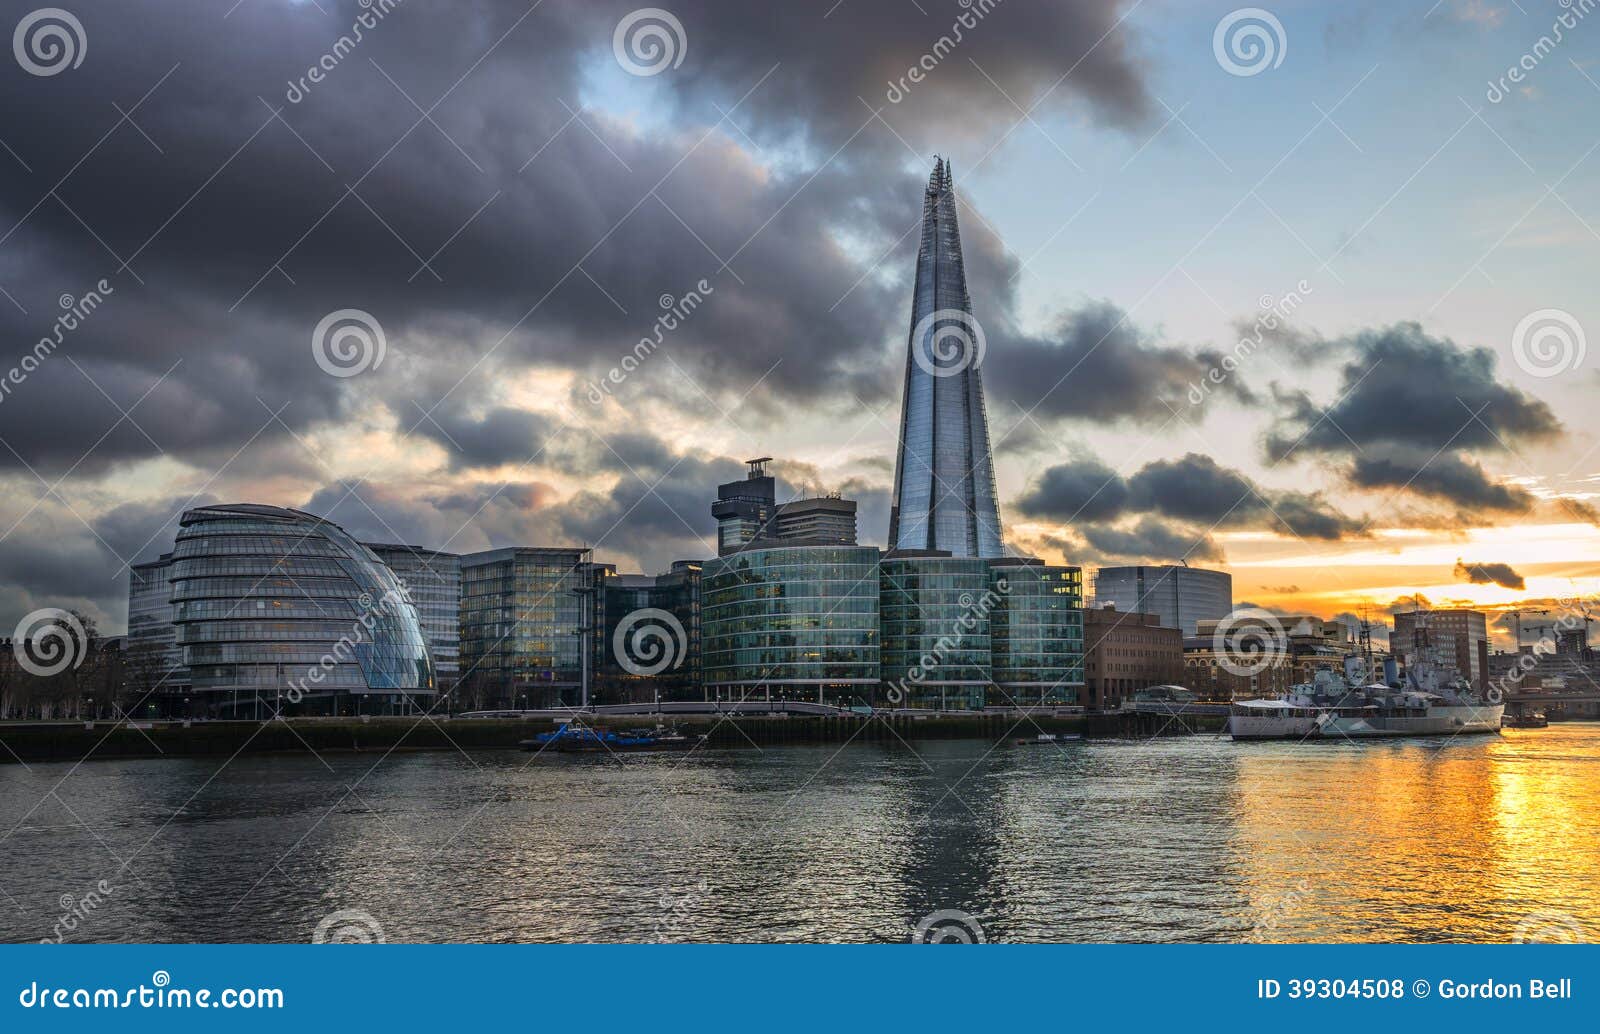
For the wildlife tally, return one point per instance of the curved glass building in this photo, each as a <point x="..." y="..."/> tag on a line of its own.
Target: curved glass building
<point x="277" y="608"/>
<point x="1036" y="633"/>
<point x="935" y="610"/>
<point x="793" y="622"/>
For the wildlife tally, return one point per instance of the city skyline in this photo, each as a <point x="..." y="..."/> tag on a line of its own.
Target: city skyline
<point x="1119" y="240"/>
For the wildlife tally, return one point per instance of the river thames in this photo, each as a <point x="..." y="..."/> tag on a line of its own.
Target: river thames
<point x="1179" y="839"/>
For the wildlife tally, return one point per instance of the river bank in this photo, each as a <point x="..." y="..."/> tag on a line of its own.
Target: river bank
<point x="72" y="741"/>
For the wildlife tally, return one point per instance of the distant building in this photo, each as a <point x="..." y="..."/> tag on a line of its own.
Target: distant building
<point x="744" y="508"/>
<point x="749" y="515"/>
<point x="433" y="580"/>
<point x="529" y="633"/>
<point x="276" y="608"/>
<point x="1460" y="637"/>
<point x="153" y="663"/>
<point x="829" y="520"/>
<point x="1179" y="595"/>
<point x="1126" y="652"/>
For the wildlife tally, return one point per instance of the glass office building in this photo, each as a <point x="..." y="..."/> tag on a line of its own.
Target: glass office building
<point x="935" y="610"/>
<point x="944" y="497"/>
<point x="529" y="632"/>
<point x="635" y="604"/>
<point x="1183" y="596"/>
<point x="1036" y="634"/>
<point x="279" y="609"/>
<point x="154" y="666"/>
<point x="433" y="580"/>
<point x="794" y="622"/>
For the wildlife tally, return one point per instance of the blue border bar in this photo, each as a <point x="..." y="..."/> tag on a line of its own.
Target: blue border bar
<point x="797" y="987"/>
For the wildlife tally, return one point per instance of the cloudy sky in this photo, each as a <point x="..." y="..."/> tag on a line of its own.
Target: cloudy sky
<point x="1403" y="237"/>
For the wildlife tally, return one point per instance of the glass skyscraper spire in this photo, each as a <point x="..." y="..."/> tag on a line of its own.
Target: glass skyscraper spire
<point x="944" y="496"/>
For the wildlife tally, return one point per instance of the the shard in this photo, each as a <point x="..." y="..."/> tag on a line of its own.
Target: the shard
<point x="944" y="495"/>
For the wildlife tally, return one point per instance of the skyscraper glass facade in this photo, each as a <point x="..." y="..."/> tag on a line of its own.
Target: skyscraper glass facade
<point x="528" y="629"/>
<point x="154" y="664"/>
<point x="797" y="622"/>
<point x="278" y="608"/>
<point x="1036" y="634"/>
<point x="433" y="580"/>
<point x="944" y="496"/>
<point x="935" y="620"/>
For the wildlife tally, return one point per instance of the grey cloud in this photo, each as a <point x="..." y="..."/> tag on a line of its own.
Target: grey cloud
<point x="1489" y="574"/>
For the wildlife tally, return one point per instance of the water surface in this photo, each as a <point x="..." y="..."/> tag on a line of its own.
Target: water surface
<point x="1178" y="839"/>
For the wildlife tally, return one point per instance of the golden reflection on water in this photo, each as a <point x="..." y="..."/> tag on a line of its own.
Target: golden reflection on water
<point x="1461" y="840"/>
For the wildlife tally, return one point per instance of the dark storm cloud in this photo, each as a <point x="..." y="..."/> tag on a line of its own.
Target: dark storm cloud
<point x="1083" y="489"/>
<point x="502" y="435"/>
<point x="1489" y="574"/>
<point x="1152" y="539"/>
<point x="1447" y="477"/>
<point x="551" y="237"/>
<point x="1193" y="488"/>
<point x="1403" y="388"/>
<point x="1097" y="366"/>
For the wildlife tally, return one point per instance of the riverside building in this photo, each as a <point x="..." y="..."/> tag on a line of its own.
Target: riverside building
<point x="276" y="609"/>
<point x="433" y="581"/>
<point x="529" y="632"/>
